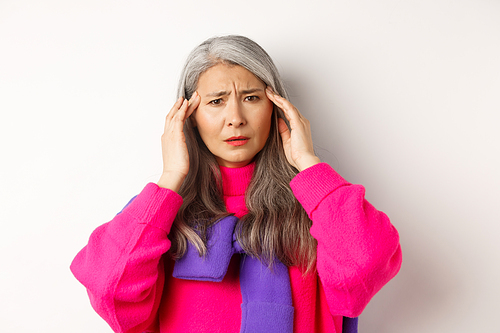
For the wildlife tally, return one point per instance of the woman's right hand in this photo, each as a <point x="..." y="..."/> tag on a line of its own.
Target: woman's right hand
<point x="173" y="143"/>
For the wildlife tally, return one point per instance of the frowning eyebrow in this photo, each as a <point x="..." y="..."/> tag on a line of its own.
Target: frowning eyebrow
<point x="217" y="94"/>
<point x="242" y="92"/>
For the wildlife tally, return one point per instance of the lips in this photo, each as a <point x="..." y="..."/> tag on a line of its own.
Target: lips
<point x="237" y="140"/>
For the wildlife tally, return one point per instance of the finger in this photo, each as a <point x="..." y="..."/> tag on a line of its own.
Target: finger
<point x="276" y="100"/>
<point x="176" y="115"/>
<point x="176" y="122"/>
<point x="175" y="108"/>
<point x="283" y="129"/>
<point x="180" y="115"/>
<point x="273" y="96"/>
<point x="194" y="102"/>
<point x="290" y="111"/>
<point x="172" y="113"/>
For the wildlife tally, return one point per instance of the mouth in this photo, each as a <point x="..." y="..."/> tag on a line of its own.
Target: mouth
<point x="237" y="140"/>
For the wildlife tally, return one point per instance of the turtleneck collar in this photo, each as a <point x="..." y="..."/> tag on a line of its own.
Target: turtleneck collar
<point x="236" y="180"/>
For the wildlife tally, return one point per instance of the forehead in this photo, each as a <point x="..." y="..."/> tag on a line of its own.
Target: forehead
<point x="224" y="76"/>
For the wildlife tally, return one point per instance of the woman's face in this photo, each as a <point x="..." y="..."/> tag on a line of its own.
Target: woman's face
<point x="234" y="115"/>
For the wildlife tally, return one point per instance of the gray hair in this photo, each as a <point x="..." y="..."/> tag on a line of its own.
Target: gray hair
<point x="231" y="50"/>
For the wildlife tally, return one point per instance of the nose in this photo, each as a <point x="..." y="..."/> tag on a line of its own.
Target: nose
<point x="234" y="114"/>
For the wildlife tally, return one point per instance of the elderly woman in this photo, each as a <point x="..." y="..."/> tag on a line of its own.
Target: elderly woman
<point x="246" y="230"/>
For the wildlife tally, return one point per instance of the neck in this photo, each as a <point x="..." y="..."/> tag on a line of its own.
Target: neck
<point x="235" y="182"/>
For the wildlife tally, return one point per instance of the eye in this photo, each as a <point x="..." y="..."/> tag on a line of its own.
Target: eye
<point x="217" y="101"/>
<point x="251" y="98"/>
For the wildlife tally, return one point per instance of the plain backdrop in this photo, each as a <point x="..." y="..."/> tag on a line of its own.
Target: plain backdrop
<point x="403" y="97"/>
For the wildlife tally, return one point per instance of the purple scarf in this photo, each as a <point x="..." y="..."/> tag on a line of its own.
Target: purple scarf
<point x="266" y="294"/>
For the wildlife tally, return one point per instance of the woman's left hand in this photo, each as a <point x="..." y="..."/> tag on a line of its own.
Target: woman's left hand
<point x="297" y="143"/>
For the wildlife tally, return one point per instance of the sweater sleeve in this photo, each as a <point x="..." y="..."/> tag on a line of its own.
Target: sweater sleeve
<point x="358" y="248"/>
<point x="122" y="266"/>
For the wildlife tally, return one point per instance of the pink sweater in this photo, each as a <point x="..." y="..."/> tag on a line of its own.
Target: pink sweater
<point x="130" y="282"/>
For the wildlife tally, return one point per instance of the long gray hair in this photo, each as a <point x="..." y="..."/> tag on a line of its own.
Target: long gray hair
<point x="276" y="225"/>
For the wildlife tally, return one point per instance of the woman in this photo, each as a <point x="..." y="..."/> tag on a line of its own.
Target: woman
<point x="246" y="230"/>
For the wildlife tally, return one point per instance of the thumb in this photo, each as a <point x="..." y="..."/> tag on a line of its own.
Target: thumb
<point x="284" y="131"/>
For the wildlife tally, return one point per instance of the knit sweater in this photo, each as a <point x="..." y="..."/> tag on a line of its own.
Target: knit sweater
<point x="130" y="283"/>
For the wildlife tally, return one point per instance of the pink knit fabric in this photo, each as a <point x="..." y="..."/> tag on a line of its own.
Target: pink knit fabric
<point x="130" y="282"/>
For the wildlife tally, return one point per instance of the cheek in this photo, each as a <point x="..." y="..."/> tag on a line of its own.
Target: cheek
<point x="206" y="125"/>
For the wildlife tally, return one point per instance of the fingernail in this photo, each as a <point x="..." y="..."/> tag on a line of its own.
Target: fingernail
<point x="273" y="92"/>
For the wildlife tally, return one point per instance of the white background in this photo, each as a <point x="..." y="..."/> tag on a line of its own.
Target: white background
<point x="403" y="97"/>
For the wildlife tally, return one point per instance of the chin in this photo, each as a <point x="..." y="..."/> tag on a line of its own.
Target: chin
<point x="234" y="163"/>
